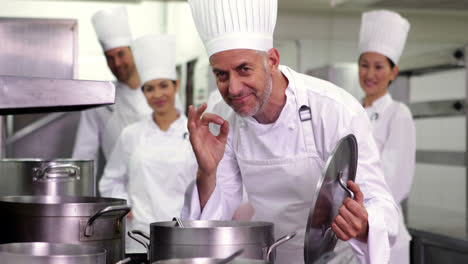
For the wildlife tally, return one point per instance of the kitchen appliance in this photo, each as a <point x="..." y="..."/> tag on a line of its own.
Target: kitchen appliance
<point x="47" y="177"/>
<point x="86" y="221"/>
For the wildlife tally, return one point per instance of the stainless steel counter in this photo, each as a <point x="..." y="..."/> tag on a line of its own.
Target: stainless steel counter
<point x="439" y="235"/>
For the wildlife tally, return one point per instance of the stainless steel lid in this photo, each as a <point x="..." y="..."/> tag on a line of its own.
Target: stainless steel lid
<point x="42" y="252"/>
<point x="330" y="192"/>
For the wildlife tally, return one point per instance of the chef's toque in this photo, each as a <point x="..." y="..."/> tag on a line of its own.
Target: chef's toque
<point x="155" y="57"/>
<point x="112" y="28"/>
<point x="383" y="32"/>
<point x="235" y="24"/>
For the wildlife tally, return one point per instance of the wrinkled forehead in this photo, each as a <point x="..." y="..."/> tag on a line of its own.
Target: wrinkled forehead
<point x="234" y="58"/>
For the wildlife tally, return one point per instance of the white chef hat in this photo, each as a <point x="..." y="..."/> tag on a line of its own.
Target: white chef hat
<point x="155" y="57"/>
<point x="384" y="32"/>
<point x="112" y="28"/>
<point x="235" y="24"/>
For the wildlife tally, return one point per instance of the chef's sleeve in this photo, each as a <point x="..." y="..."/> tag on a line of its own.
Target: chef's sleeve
<point x="383" y="213"/>
<point x="87" y="137"/>
<point x="115" y="177"/>
<point x="398" y="154"/>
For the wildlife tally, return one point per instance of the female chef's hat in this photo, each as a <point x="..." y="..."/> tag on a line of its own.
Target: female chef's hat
<point x="235" y="24"/>
<point x="383" y="32"/>
<point x="155" y="57"/>
<point x="112" y="28"/>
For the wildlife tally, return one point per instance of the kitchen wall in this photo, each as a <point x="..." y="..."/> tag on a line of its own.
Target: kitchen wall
<point x="145" y="18"/>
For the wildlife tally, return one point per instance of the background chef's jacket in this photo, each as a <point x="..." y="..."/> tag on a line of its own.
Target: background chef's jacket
<point x="100" y="127"/>
<point x="335" y="114"/>
<point x="394" y="133"/>
<point x="151" y="169"/>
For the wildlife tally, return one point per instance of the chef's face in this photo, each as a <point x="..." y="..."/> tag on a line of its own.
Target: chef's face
<point x="120" y="62"/>
<point x="160" y="94"/>
<point x="375" y="73"/>
<point x="243" y="79"/>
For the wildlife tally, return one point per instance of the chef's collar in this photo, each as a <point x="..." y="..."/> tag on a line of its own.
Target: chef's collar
<point x="379" y="105"/>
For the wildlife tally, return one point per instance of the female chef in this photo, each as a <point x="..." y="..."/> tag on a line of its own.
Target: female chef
<point x="153" y="162"/>
<point x="382" y="38"/>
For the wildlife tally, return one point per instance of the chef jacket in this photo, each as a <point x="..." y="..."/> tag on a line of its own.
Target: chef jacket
<point x="394" y="133"/>
<point x="151" y="169"/>
<point x="100" y="127"/>
<point x="334" y="114"/>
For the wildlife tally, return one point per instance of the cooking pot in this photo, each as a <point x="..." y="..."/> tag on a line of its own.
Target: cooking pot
<point x="87" y="221"/>
<point x="210" y="239"/>
<point x="209" y="261"/>
<point x="51" y="253"/>
<point x="47" y="177"/>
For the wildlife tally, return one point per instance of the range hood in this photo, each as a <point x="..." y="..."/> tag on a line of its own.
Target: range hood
<point x="22" y="95"/>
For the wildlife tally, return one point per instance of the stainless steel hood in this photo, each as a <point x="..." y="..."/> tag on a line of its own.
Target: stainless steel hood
<point x="21" y="95"/>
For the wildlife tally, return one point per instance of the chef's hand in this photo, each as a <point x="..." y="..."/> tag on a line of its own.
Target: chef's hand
<point x="130" y="215"/>
<point x="208" y="148"/>
<point x="351" y="221"/>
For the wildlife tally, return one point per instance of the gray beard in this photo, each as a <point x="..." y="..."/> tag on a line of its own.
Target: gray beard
<point x="263" y="100"/>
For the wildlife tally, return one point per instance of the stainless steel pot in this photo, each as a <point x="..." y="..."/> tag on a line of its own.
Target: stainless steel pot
<point x="210" y="261"/>
<point x="87" y="221"/>
<point x="47" y="177"/>
<point x="51" y="253"/>
<point x="210" y="239"/>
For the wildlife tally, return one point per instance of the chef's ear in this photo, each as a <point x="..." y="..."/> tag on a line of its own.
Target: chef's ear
<point x="176" y="85"/>
<point x="273" y="58"/>
<point x="394" y="72"/>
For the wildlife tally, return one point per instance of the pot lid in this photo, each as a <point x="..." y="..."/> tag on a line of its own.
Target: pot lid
<point x="21" y="95"/>
<point x="330" y="192"/>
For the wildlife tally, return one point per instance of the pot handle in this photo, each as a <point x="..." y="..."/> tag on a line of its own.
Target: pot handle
<point x="132" y="234"/>
<point x="279" y="242"/>
<point x="88" y="231"/>
<point x="41" y="174"/>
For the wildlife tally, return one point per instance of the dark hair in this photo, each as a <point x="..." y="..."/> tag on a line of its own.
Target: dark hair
<point x="392" y="64"/>
<point x="143" y="85"/>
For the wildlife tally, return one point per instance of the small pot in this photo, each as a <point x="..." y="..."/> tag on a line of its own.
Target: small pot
<point x="210" y="261"/>
<point x="51" y="253"/>
<point x="210" y="239"/>
<point x="85" y="221"/>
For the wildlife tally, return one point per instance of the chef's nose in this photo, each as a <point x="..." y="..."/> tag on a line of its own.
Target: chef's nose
<point x="235" y="86"/>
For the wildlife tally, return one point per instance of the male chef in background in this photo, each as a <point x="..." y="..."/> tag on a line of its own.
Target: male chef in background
<point x="282" y="128"/>
<point x="99" y="128"/>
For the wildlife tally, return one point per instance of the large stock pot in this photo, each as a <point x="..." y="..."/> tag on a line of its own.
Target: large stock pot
<point x="210" y="261"/>
<point x="47" y="177"/>
<point x="211" y="239"/>
<point x="87" y="221"/>
<point x="51" y="253"/>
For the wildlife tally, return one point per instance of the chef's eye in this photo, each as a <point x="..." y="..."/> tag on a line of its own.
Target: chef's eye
<point x="221" y="76"/>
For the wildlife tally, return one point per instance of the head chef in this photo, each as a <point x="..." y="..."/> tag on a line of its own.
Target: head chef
<point x="277" y="137"/>
<point x="113" y="32"/>
<point x="382" y="39"/>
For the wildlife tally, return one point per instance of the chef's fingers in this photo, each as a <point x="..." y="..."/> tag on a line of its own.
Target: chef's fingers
<point x="223" y="132"/>
<point x="212" y="118"/>
<point x="345" y="227"/>
<point x="339" y="233"/>
<point x="192" y="122"/>
<point x="358" y="195"/>
<point x="200" y="110"/>
<point x="357" y="209"/>
<point x="355" y="221"/>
